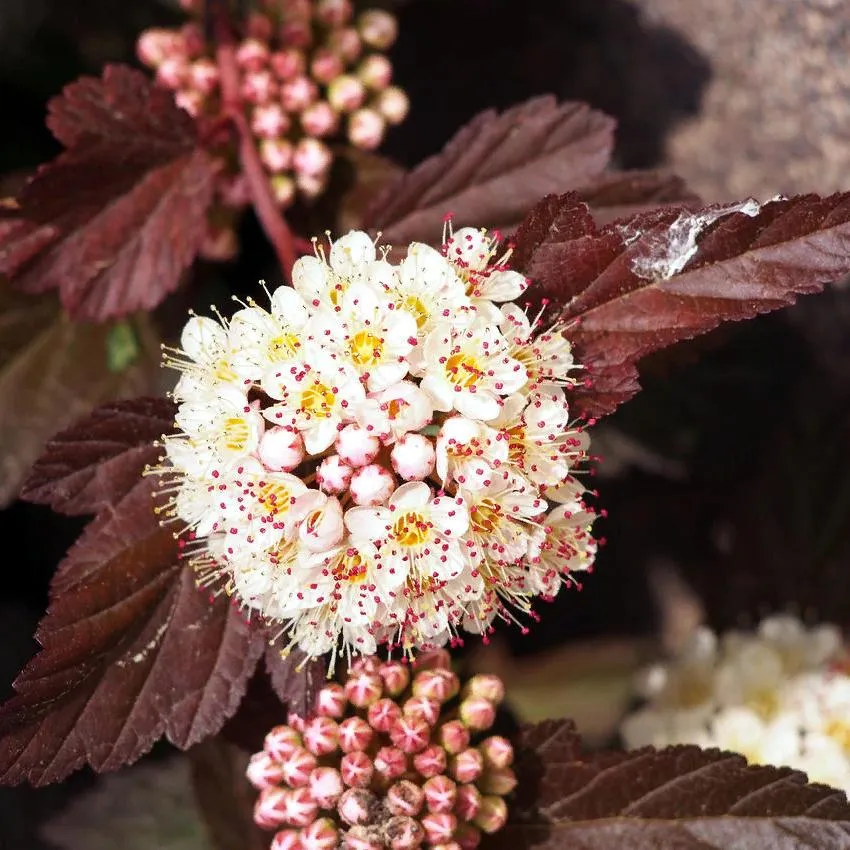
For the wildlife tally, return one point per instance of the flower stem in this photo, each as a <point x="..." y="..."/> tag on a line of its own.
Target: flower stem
<point x="273" y="223"/>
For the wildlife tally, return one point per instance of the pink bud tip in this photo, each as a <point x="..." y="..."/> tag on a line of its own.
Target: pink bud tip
<point x="281" y="742"/>
<point x="355" y="734"/>
<point x="439" y="826"/>
<point x="431" y="761"/>
<point x="440" y="794"/>
<point x="405" y="798"/>
<point x="356" y="769"/>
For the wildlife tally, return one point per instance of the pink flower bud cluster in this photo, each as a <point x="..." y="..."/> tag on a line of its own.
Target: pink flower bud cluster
<point x="306" y="73"/>
<point x="389" y="760"/>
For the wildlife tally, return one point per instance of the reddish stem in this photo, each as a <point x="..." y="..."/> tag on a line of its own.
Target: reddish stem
<point x="274" y="224"/>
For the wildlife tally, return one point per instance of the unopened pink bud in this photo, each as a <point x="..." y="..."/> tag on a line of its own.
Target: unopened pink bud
<point x="468" y="802"/>
<point x="498" y="780"/>
<point x="439" y="826"/>
<point x="203" y="76"/>
<point x="301" y="808"/>
<point x="298" y="767"/>
<point x="296" y="721"/>
<point x="357" y="806"/>
<point x="326" y="65"/>
<point x="252" y="55"/>
<point x="393" y="104"/>
<point x="286" y="839"/>
<point x="497" y="751"/>
<point x="411" y="734"/>
<point x="270" y="809"/>
<point x="281" y="449"/>
<point x="346" y="42"/>
<point x="396" y="677"/>
<point x="405" y="798"/>
<point x="270" y="122"/>
<point x="173" y="72"/>
<point x="287" y="64"/>
<point x="440" y="685"/>
<point x="331" y="700"/>
<point x="390" y="763"/>
<point x="355" y="734"/>
<point x="281" y="742"/>
<point x="377" y="28"/>
<point x="322" y="834"/>
<point x="477" y="713"/>
<point x="333" y="476"/>
<point x="312" y="156"/>
<point x="297" y="94"/>
<point x="320" y="736"/>
<point x="375" y="72"/>
<point x="311" y="185"/>
<point x="326" y="786"/>
<point x="466" y="766"/>
<point x="356" y="769"/>
<point x="372" y="485"/>
<point x="383" y="714"/>
<point x="454" y="736"/>
<point x="259" y="26"/>
<point x="363" y="838"/>
<point x="190" y="101"/>
<point x="433" y="659"/>
<point x="319" y="119"/>
<point x="413" y="457"/>
<point x="156" y="45"/>
<point x="283" y="189"/>
<point x="431" y="761"/>
<point x="487" y="686"/>
<point x="492" y="815"/>
<point x="259" y="87"/>
<point x="296" y="32"/>
<point x="356" y="446"/>
<point x="362" y="689"/>
<point x="365" y="664"/>
<point x="403" y="833"/>
<point x="419" y="706"/>
<point x="334" y="13"/>
<point x="263" y="771"/>
<point x="440" y="794"/>
<point x="346" y="93"/>
<point x="366" y="129"/>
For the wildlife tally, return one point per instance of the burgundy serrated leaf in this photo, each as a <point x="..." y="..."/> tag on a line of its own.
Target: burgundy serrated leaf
<point x="643" y="283"/>
<point x="680" y="797"/>
<point x="115" y="220"/>
<point x="495" y="169"/>
<point x="295" y="679"/>
<point x="99" y="459"/>
<point x="131" y="650"/>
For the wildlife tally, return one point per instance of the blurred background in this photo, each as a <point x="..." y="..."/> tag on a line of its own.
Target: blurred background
<point x="726" y="482"/>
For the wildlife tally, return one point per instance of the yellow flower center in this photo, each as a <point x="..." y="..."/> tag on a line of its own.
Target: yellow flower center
<point x="411" y="529"/>
<point x="485" y="516"/>
<point x="223" y="371"/>
<point x="516" y="443"/>
<point x="236" y="434"/>
<point x="352" y="567"/>
<point x="284" y="346"/>
<point x="764" y="703"/>
<point x="276" y="498"/>
<point x="463" y="370"/>
<point x="366" y="348"/>
<point x="839" y="731"/>
<point x="416" y="308"/>
<point x="318" y="400"/>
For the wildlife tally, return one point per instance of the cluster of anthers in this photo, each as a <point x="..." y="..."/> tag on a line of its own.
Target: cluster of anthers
<point x="779" y="695"/>
<point x="307" y="69"/>
<point x="369" y="461"/>
<point x="388" y="763"/>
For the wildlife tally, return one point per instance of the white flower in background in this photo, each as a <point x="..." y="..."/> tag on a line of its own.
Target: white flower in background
<point x="779" y="695"/>
<point x="366" y="461"/>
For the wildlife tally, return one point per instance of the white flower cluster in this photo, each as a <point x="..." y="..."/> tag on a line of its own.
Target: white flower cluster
<point x="779" y="695"/>
<point x="369" y="461"/>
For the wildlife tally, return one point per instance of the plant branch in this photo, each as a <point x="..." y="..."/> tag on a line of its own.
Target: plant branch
<point x="274" y="225"/>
